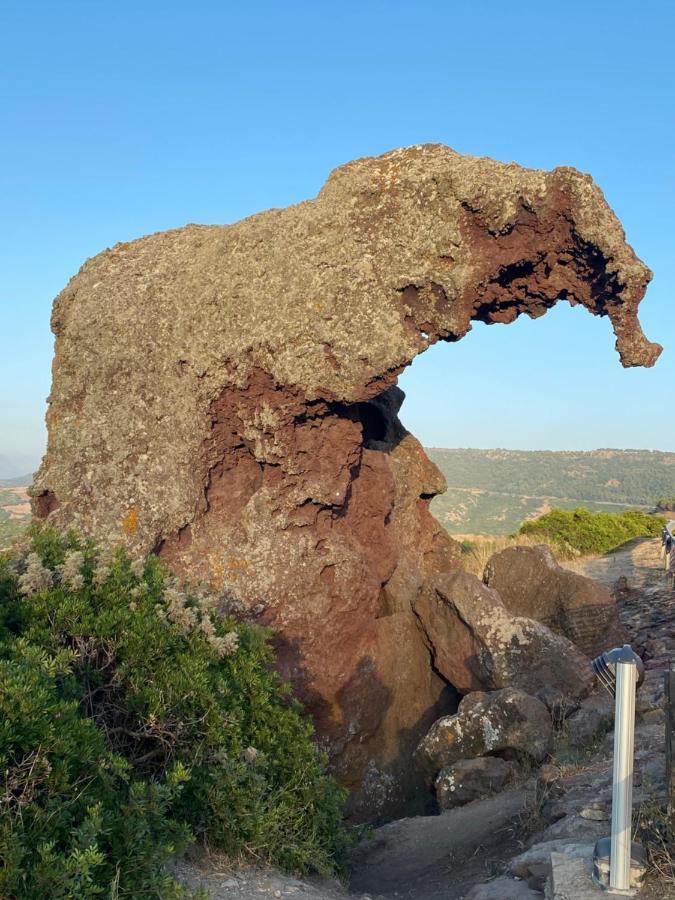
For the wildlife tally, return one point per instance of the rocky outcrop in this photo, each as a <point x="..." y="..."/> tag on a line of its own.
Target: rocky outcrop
<point x="532" y="584"/>
<point x="477" y="644"/>
<point x="506" y="720"/>
<point x="225" y="397"/>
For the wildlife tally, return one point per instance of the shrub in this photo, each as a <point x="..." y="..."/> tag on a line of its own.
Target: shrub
<point x="150" y="719"/>
<point x="71" y="817"/>
<point x="581" y="531"/>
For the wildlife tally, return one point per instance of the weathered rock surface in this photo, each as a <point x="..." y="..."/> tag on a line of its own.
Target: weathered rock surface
<point x="224" y="396"/>
<point x="532" y="584"/>
<point x="472" y="779"/>
<point x="487" y="723"/>
<point x="477" y="644"/>
<point x="591" y="721"/>
<point x="536" y="861"/>
<point x="503" y="888"/>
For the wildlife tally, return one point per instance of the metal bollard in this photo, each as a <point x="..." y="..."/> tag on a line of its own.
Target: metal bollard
<point x="620" y="671"/>
<point x="622" y="779"/>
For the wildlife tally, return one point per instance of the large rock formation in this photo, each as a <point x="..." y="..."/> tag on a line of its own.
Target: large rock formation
<point x="225" y="396"/>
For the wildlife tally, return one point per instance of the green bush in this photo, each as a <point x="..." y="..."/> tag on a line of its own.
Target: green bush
<point x="135" y="718"/>
<point x="581" y="531"/>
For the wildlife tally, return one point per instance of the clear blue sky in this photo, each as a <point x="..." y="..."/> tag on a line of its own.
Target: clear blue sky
<point x="120" y="119"/>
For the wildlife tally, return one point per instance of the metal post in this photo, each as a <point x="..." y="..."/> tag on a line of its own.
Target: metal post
<point x="670" y="738"/>
<point x="622" y="785"/>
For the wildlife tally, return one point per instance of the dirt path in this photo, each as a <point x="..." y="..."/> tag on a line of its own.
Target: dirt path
<point x="634" y="573"/>
<point x="440" y="857"/>
<point x="420" y="858"/>
<point x="638" y="560"/>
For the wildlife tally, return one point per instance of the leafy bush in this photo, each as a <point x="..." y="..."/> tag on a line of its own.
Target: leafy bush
<point x="135" y="717"/>
<point x="665" y="503"/>
<point x="581" y="531"/>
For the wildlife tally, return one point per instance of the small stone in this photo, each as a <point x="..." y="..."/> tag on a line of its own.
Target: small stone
<point x="654" y="717"/>
<point x="596" y="812"/>
<point x="539" y="855"/>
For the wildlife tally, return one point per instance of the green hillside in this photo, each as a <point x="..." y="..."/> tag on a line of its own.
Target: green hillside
<point x="494" y="491"/>
<point x="14" y="508"/>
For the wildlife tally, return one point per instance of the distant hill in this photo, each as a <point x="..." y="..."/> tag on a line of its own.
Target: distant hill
<point x="494" y="491"/>
<point x="19" y="481"/>
<point x="15" y="466"/>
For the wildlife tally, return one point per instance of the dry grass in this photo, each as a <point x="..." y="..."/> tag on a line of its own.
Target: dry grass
<point x="478" y="548"/>
<point x="654" y="828"/>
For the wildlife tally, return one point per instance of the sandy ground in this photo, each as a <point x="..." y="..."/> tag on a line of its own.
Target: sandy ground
<point x="20" y="509"/>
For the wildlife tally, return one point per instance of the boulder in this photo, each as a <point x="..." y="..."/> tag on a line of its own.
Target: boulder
<point x="224" y="396"/>
<point x="532" y="584"/>
<point x="505" y="720"/>
<point x="472" y="779"/>
<point x="591" y="721"/>
<point x="534" y="865"/>
<point x="477" y="644"/>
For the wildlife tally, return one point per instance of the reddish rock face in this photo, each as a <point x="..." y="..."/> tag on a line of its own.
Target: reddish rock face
<point x="225" y="397"/>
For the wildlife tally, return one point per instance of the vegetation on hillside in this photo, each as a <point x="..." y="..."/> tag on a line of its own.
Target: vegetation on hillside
<point x="494" y="491"/>
<point x="10" y="528"/>
<point x="666" y="504"/>
<point x="136" y="719"/>
<point x="14" y="509"/>
<point x="580" y="531"/>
